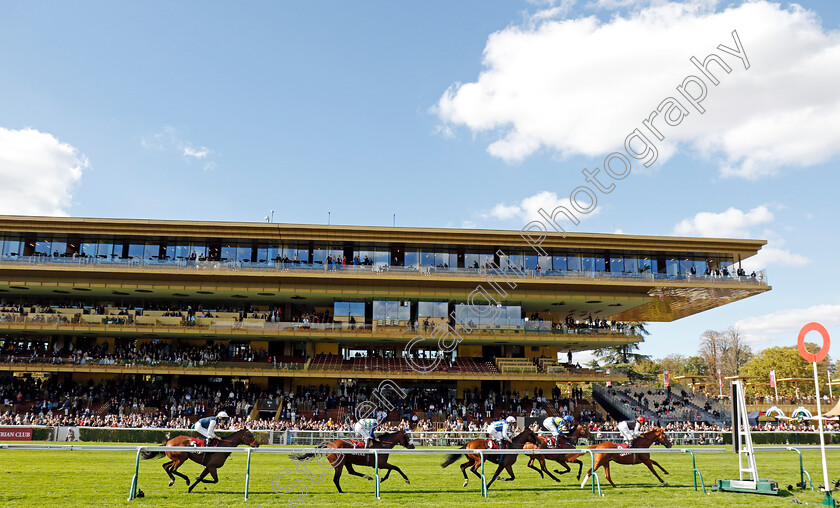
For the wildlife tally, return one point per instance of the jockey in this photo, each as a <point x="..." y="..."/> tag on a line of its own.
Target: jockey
<point x="500" y="431"/>
<point x="631" y="429"/>
<point x="364" y="428"/>
<point x="556" y="425"/>
<point x="207" y="427"/>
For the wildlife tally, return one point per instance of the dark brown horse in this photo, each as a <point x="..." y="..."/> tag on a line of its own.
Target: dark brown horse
<point x="211" y="460"/>
<point x="504" y="461"/>
<point x="567" y="443"/>
<point x="653" y="436"/>
<point x="339" y="461"/>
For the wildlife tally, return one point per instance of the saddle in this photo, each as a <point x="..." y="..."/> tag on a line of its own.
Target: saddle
<point x="357" y="444"/>
<point x="622" y="446"/>
<point x="493" y="445"/>
<point x="551" y="442"/>
<point x="199" y="442"/>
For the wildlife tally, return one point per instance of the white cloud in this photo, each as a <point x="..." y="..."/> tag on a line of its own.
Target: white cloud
<point x="733" y="223"/>
<point x="770" y="255"/>
<point x="168" y="139"/>
<point x="580" y="86"/>
<point x="785" y="324"/>
<point x="38" y="173"/>
<point x="528" y="209"/>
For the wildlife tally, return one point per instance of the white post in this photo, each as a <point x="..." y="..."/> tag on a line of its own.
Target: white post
<point x="828" y="373"/>
<point x="822" y="438"/>
<point x="776" y="391"/>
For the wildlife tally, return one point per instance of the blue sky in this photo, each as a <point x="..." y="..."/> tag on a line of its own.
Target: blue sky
<point x="437" y="112"/>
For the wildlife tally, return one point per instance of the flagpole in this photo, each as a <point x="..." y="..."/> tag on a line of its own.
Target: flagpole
<point x="828" y="373"/>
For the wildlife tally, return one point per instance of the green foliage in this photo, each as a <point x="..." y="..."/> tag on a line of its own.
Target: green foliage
<point x="788" y="363"/>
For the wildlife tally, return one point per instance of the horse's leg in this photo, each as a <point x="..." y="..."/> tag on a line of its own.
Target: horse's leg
<point x="350" y="470"/>
<point x="214" y="475"/>
<point x="337" y="477"/>
<point x="647" y="462"/>
<point x="542" y="464"/>
<point x="539" y="470"/>
<point x="199" y="479"/>
<point x="660" y="467"/>
<point x="607" y="474"/>
<point x="166" y="468"/>
<point x="509" y="469"/>
<point x="563" y="463"/>
<point x="496" y="474"/>
<point x="174" y="470"/>
<point x="392" y="467"/>
<point x="580" y="467"/>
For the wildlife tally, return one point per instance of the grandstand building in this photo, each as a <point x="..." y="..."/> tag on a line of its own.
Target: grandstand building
<point x="291" y="308"/>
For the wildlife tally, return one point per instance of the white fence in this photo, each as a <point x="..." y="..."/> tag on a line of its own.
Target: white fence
<point x="375" y="452"/>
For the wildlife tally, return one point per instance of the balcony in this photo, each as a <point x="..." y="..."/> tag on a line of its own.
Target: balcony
<point x="381" y="269"/>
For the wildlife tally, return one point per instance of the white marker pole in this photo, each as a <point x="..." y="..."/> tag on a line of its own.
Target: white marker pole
<point x="820" y="420"/>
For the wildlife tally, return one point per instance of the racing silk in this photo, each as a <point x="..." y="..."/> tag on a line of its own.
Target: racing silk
<point x="630" y="429"/>
<point x="554" y="424"/>
<point x="207" y="427"/>
<point x="499" y="430"/>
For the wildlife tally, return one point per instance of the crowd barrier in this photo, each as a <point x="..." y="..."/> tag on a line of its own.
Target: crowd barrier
<point x="595" y="483"/>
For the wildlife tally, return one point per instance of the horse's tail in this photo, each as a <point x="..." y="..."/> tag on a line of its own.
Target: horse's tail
<point x="452" y="458"/>
<point x="301" y="456"/>
<point x="151" y="455"/>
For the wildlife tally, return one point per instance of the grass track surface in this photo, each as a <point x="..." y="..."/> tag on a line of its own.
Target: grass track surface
<point x="77" y="478"/>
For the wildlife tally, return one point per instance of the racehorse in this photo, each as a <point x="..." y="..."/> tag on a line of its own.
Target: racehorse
<point x="654" y="435"/>
<point x="339" y="461"/>
<point x="210" y="460"/>
<point x="569" y="442"/>
<point x="504" y="461"/>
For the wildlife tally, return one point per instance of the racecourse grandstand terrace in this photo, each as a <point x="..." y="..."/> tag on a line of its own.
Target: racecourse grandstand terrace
<point x="159" y="322"/>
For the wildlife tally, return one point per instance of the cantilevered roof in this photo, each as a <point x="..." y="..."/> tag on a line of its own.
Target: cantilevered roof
<point x="738" y="248"/>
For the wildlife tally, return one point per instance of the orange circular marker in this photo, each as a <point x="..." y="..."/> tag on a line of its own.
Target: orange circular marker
<point x="813" y="357"/>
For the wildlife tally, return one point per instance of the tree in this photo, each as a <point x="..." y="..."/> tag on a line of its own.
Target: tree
<point x="788" y="363"/>
<point x="672" y="363"/>
<point x="735" y="353"/>
<point x="711" y="348"/>
<point x="694" y="366"/>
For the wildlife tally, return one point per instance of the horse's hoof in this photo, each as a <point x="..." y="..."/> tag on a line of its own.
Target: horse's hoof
<point x="368" y="477"/>
<point x="665" y="484"/>
<point x="465" y="483"/>
<point x="173" y="483"/>
<point x="407" y="482"/>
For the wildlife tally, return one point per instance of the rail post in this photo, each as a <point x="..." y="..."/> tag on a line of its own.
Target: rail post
<point x="131" y="494"/>
<point x="695" y="472"/>
<point x="376" y="473"/>
<point x="595" y="478"/>
<point x="483" y="478"/>
<point x="802" y="471"/>
<point x="247" y="473"/>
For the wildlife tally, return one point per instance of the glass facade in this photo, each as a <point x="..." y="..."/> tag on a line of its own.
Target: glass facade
<point x="174" y="250"/>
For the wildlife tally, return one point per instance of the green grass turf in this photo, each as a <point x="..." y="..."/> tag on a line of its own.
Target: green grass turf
<point x="79" y="478"/>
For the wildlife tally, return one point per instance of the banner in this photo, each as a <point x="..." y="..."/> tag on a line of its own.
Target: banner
<point x="667" y="379"/>
<point x="609" y="383"/>
<point x="15" y="434"/>
<point x="772" y="379"/>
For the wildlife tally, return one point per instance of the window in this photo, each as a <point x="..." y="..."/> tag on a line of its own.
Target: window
<point x="411" y="257"/>
<point x="559" y="263"/>
<point x="616" y="264"/>
<point x="574" y="263"/>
